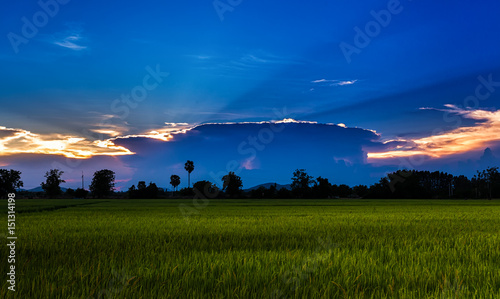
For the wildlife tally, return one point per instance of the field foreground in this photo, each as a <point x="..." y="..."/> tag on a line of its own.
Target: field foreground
<point x="255" y="249"/>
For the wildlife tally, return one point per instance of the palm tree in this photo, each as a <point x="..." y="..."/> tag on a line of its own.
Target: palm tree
<point x="175" y="181"/>
<point x="189" y="167"/>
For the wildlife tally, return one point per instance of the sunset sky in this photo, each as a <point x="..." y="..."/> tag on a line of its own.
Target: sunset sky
<point x="347" y="90"/>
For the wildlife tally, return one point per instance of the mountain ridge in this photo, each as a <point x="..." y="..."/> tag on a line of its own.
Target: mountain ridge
<point x="268" y="185"/>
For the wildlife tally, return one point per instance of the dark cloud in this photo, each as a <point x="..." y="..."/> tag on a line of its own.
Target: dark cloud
<point x="7" y="133"/>
<point x="259" y="152"/>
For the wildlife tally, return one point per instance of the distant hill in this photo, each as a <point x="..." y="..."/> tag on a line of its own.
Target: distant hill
<point x="39" y="189"/>
<point x="267" y="185"/>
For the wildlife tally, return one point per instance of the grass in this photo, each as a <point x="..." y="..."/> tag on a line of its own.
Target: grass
<point x="256" y="248"/>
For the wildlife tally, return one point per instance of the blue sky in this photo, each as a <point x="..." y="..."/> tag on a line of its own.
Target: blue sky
<point x="79" y="72"/>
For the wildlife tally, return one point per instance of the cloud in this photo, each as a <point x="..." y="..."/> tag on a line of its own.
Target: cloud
<point x="176" y="125"/>
<point x="342" y="83"/>
<point x="266" y="58"/>
<point x="18" y="141"/>
<point x="109" y="132"/>
<point x="199" y="57"/>
<point x="70" y="39"/>
<point x="334" y="82"/>
<point x="259" y="60"/>
<point x="291" y="120"/>
<point x="70" y="42"/>
<point x="256" y="61"/>
<point x="281" y="121"/>
<point x="323" y="81"/>
<point x="257" y="151"/>
<point x="109" y="127"/>
<point x="485" y="132"/>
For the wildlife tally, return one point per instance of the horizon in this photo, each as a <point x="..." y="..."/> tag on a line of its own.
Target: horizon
<point x="360" y="90"/>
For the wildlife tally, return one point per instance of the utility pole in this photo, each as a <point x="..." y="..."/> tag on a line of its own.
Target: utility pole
<point x="82" y="181"/>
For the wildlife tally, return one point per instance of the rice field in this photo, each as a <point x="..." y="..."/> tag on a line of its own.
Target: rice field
<point x="255" y="249"/>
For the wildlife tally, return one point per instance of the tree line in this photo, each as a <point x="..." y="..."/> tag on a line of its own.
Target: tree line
<point x="401" y="184"/>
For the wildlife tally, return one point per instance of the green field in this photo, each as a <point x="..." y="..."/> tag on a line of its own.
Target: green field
<point x="255" y="249"/>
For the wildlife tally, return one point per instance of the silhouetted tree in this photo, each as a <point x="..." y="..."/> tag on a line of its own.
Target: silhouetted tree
<point x="186" y="192"/>
<point x="284" y="193"/>
<point x="189" y="167"/>
<point x="463" y="187"/>
<point x="360" y="190"/>
<point x="81" y="193"/>
<point x="70" y="193"/>
<point x="206" y="188"/>
<point x="143" y="192"/>
<point x="132" y="192"/>
<point x="344" y="191"/>
<point x="175" y="181"/>
<point x="232" y="184"/>
<point x="141" y="187"/>
<point x="479" y="183"/>
<point x="323" y="189"/>
<point x="52" y="182"/>
<point x="425" y="184"/>
<point x="491" y="177"/>
<point x="271" y="191"/>
<point x="263" y="192"/>
<point x="10" y="180"/>
<point x="380" y="189"/>
<point x="411" y="184"/>
<point x="152" y="191"/>
<point x="301" y="183"/>
<point x="103" y="183"/>
<point x="259" y="192"/>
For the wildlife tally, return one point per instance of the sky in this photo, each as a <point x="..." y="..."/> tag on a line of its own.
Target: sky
<point x="347" y="90"/>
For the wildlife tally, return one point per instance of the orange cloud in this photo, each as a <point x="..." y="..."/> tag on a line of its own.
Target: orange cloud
<point x="19" y="141"/>
<point x="457" y="141"/>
